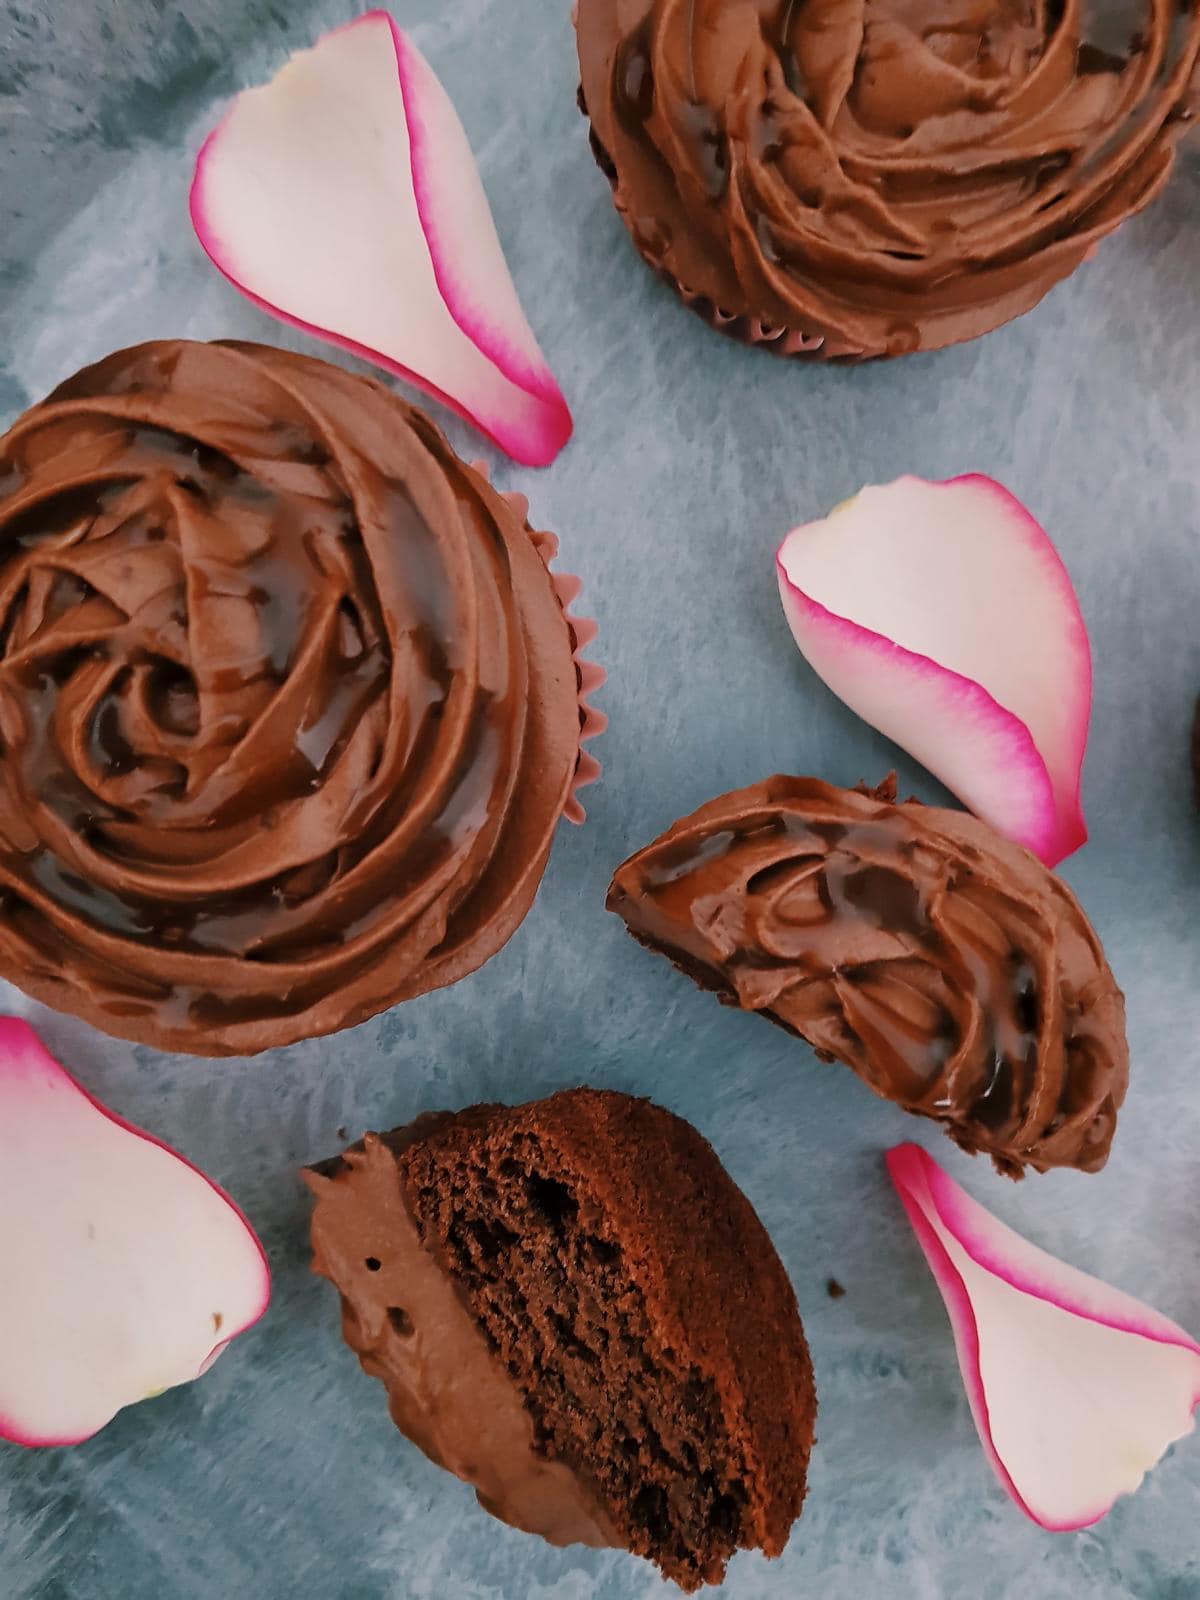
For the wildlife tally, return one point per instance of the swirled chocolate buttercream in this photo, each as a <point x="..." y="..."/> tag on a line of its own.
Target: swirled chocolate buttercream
<point x="955" y="974"/>
<point x="870" y="177"/>
<point x="288" y="704"/>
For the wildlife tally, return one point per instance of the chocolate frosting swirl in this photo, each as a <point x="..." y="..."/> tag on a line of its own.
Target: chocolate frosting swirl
<point x="288" y="709"/>
<point x="944" y="964"/>
<point x="879" y="176"/>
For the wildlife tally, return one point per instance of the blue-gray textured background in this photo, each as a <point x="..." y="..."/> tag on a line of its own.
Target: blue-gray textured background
<point x="280" y="1472"/>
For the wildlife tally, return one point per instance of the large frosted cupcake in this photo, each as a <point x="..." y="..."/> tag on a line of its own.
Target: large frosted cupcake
<point x="941" y="962"/>
<point x="876" y="178"/>
<point x="289" y="700"/>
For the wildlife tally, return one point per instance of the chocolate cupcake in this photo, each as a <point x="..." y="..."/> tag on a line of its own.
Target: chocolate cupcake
<point x="868" y="180"/>
<point x="945" y="965"/>
<point x="289" y="701"/>
<point x="575" y="1309"/>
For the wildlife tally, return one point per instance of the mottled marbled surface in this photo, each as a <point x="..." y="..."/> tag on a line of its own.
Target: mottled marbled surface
<point x="280" y="1473"/>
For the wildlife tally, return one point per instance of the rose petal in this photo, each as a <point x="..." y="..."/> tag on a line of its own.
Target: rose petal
<point x="942" y="614"/>
<point x="125" y="1270"/>
<point x="1077" y="1389"/>
<point x="343" y="197"/>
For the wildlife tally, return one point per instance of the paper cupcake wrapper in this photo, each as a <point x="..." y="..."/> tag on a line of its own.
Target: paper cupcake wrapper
<point x="780" y="341"/>
<point x="589" y="675"/>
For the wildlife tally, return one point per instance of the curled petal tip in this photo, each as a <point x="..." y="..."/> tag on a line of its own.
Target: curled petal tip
<point x="393" y="254"/>
<point x="942" y="614"/>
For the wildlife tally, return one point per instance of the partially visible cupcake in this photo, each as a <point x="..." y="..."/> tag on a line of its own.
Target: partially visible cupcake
<point x="873" y="179"/>
<point x="290" y="704"/>
<point x="941" y="962"/>
<point x="575" y="1309"/>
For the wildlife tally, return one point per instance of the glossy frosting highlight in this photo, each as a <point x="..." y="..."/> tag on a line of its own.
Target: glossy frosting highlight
<point x="288" y="707"/>
<point x="871" y="177"/>
<point x="944" y="964"/>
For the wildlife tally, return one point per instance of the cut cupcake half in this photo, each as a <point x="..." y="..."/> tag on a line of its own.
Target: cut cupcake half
<point x="574" y="1308"/>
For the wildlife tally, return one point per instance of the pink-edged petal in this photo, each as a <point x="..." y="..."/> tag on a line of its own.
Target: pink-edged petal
<point x="1076" y="1388"/>
<point x="125" y="1270"/>
<point x="343" y="197"/>
<point x="942" y="614"/>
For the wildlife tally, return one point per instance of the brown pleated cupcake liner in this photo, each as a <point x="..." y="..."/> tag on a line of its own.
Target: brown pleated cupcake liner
<point x="790" y="343"/>
<point x="589" y="675"/>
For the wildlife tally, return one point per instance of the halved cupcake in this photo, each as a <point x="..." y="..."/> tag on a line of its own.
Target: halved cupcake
<point x="574" y="1308"/>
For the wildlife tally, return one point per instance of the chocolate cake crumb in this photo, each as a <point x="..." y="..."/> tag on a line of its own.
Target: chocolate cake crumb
<point x="834" y="1289"/>
<point x="624" y="1287"/>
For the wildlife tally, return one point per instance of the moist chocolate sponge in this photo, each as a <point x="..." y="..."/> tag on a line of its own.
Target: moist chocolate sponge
<point x="631" y="1369"/>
